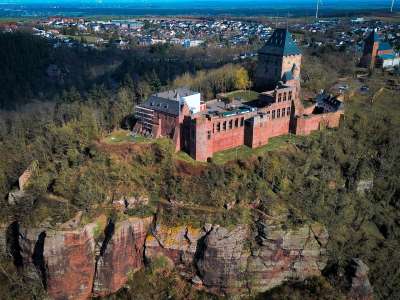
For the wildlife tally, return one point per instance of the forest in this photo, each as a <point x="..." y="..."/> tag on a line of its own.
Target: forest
<point x="59" y="122"/>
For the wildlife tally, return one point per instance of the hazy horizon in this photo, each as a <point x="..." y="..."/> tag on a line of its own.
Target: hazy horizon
<point x="10" y="8"/>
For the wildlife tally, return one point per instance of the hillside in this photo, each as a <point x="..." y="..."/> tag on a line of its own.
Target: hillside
<point x="295" y="216"/>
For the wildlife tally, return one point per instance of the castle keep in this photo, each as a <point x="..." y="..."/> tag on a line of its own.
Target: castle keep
<point x="203" y="128"/>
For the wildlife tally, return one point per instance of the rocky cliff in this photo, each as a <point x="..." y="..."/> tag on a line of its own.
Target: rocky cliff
<point x="244" y="259"/>
<point x="81" y="261"/>
<point x="92" y="260"/>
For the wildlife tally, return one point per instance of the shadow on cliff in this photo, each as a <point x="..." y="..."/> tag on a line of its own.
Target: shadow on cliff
<point x="13" y="246"/>
<point x="38" y="258"/>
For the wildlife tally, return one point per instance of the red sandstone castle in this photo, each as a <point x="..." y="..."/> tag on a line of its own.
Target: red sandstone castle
<point x="203" y="128"/>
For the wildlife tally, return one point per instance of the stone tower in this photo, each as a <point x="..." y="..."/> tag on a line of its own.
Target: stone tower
<point x="278" y="61"/>
<point x="371" y="46"/>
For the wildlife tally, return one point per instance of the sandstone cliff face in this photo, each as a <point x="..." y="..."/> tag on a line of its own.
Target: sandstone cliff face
<point x="179" y="243"/>
<point x="96" y="259"/>
<point x="120" y="255"/>
<point x="245" y="259"/>
<point x="80" y="263"/>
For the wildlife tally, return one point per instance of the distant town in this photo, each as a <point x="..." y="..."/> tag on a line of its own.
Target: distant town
<point x="344" y="33"/>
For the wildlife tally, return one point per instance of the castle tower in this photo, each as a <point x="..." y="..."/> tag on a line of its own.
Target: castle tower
<point x="278" y="61"/>
<point x="371" y="46"/>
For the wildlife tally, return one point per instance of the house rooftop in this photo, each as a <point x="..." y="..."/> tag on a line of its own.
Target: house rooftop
<point x="384" y="46"/>
<point x="280" y="43"/>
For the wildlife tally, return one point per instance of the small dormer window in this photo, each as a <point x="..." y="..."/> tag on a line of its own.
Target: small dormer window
<point x="151" y="103"/>
<point x="165" y="106"/>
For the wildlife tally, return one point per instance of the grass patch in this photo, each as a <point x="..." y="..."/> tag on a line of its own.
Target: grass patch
<point x="244" y="96"/>
<point x="244" y="152"/>
<point x="124" y="136"/>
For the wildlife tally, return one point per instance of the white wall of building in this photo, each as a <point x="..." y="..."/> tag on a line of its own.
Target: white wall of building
<point x="193" y="102"/>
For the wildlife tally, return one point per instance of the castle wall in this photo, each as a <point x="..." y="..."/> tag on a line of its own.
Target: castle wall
<point x="256" y="134"/>
<point x="167" y="124"/>
<point x="307" y="124"/>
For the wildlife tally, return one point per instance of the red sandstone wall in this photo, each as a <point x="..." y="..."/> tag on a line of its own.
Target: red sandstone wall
<point x="228" y="139"/>
<point x="167" y="123"/>
<point x="202" y="149"/>
<point x="259" y="134"/>
<point x="70" y="264"/>
<point x="305" y="125"/>
<point x="278" y="127"/>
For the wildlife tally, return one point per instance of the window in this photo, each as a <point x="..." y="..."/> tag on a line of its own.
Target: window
<point x="288" y="110"/>
<point x="230" y="124"/>
<point x="273" y="114"/>
<point x="283" y="112"/>
<point x="224" y="125"/>
<point x="278" y="113"/>
<point x="268" y="114"/>
<point x="236" y="122"/>
<point x="290" y="95"/>
<point x="213" y="127"/>
<point x="166" y="106"/>
<point x="218" y="127"/>
<point x="241" y="122"/>
<point x="209" y="134"/>
<point x="151" y="103"/>
<point x="284" y="96"/>
<point x="279" y="97"/>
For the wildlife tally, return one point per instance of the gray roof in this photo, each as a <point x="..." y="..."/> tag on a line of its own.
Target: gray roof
<point x="168" y="106"/>
<point x="175" y="94"/>
<point x="280" y="43"/>
<point x="168" y="101"/>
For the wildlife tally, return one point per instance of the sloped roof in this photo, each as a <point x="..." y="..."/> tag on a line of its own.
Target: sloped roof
<point x="165" y="105"/>
<point x="176" y="93"/>
<point x="168" y="101"/>
<point x="384" y="46"/>
<point x="280" y="43"/>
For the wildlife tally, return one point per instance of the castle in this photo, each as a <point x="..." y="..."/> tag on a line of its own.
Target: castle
<point x="204" y="128"/>
<point x="378" y="53"/>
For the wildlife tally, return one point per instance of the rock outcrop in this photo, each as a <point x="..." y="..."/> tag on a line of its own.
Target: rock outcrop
<point x="361" y="288"/>
<point x="179" y="243"/>
<point x="78" y="264"/>
<point x="120" y="254"/>
<point x="245" y="259"/>
<point x="80" y="261"/>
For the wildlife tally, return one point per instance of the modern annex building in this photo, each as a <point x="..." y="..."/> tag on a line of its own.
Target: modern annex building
<point x="203" y="128"/>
